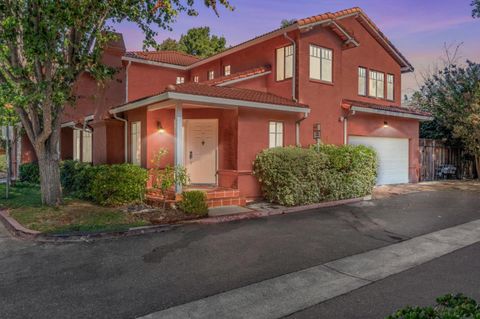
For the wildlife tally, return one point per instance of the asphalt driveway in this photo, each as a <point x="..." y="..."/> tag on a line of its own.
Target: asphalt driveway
<point x="129" y="277"/>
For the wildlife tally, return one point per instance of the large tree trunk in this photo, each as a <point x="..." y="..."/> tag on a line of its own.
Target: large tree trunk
<point x="477" y="165"/>
<point x="49" y="165"/>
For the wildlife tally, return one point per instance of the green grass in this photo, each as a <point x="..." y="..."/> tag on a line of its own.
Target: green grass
<point x="74" y="216"/>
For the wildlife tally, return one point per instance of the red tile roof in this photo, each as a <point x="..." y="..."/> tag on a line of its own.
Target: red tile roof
<point x="231" y="93"/>
<point x="169" y="57"/>
<point x="239" y="75"/>
<point x="390" y="108"/>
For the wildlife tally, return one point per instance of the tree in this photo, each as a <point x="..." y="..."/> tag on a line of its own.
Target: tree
<point x="169" y="44"/>
<point x="452" y="95"/>
<point x="287" y="22"/>
<point x="199" y="42"/>
<point x="45" y="45"/>
<point x="476" y="8"/>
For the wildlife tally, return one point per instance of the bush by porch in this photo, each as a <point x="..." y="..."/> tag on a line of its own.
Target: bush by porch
<point x="298" y="176"/>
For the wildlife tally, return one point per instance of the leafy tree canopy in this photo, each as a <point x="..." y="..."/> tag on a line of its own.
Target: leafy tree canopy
<point x="476" y="8"/>
<point x="197" y="41"/>
<point x="287" y="22"/>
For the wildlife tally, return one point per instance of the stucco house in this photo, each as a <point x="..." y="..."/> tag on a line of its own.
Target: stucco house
<point x="332" y="78"/>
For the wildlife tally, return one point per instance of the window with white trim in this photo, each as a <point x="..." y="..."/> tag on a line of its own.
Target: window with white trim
<point x="362" y="81"/>
<point x="377" y="84"/>
<point x="321" y="63"/>
<point x="390" y="87"/>
<point x="76" y="144"/>
<point x="227" y="70"/>
<point x="136" y="141"/>
<point x="285" y="63"/>
<point x="87" y="147"/>
<point x="196" y="79"/>
<point x="275" y="134"/>
<point x="180" y="80"/>
<point x="211" y="75"/>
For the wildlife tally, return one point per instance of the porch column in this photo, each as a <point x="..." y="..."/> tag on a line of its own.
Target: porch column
<point x="178" y="140"/>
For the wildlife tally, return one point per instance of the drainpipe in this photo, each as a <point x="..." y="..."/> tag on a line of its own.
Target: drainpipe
<point x="297" y="128"/>
<point x="125" y="134"/>
<point x="126" y="80"/>
<point x="294" y="72"/>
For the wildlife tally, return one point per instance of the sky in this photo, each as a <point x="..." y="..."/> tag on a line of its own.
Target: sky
<point x="420" y="29"/>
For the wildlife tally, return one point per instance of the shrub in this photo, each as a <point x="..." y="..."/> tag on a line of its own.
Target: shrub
<point x="3" y="163"/>
<point x="194" y="202"/>
<point x="30" y="173"/>
<point x="118" y="184"/>
<point x="298" y="176"/>
<point x="77" y="178"/>
<point x="448" y="307"/>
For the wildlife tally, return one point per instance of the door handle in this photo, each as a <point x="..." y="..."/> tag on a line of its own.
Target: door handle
<point x="190" y="155"/>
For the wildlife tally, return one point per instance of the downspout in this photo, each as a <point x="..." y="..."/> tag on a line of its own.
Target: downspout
<point x="126" y="80"/>
<point x="125" y="134"/>
<point x="297" y="128"/>
<point x="294" y="72"/>
<point x="344" y="119"/>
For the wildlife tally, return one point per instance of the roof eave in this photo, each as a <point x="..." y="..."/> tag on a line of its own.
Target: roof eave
<point x="150" y="62"/>
<point x="419" y="117"/>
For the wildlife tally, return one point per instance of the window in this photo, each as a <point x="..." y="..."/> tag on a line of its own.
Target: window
<point x="87" y="147"/>
<point x="390" y="87"/>
<point x="377" y="84"/>
<point x="76" y="145"/>
<point x="136" y="143"/>
<point x="211" y="75"/>
<point x="321" y="63"/>
<point x="180" y="80"/>
<point x="362" y="81"/>
<point x="275" y="134"/>
<point x="226" y="70"/>
<point x="284" y="63"/>
<point x="195" y="79"/>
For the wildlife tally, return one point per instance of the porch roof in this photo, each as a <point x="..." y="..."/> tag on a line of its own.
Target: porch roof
<point x="391" y="110"/>
<point x="217" y="95"/>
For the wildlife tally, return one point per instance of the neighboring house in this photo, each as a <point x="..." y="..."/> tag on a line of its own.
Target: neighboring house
<point x="333" y="78"/>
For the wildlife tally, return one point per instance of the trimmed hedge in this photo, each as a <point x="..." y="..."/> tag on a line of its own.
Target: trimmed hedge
<point x="29" y="173"/>
<point x="194" y="202"/>
<point x="77" y="177"/>
<point x="297" y="176"/>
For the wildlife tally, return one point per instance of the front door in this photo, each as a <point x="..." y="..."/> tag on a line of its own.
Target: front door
<point x="201" y="150"/>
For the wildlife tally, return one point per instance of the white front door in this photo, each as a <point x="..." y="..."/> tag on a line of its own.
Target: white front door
<point x="201" y="150"/>
<point x="392" y="157"/>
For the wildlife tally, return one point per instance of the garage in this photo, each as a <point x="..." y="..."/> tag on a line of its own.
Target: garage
<point x="392" y="157"/>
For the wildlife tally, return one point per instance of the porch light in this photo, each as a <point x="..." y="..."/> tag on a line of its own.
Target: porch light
<point x="160" y="127"/>
<point x="385" y="124"/>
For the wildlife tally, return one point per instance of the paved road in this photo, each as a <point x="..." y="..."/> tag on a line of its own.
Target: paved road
<point x="130" y="277"/>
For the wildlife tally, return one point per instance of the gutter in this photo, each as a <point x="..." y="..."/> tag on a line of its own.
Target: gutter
<point x="125" y="134"/>
<point x="294" y="71"/>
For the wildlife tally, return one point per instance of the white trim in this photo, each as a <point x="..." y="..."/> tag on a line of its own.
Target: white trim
<point x="67" y="124"/>
<point x="179" y="141"/>
<point x="208" y="100"/>
<point x="161" y="64"/>
<point x="72" y="123"/>
<point x="391" y="113"/>
<point x="244" y="79"/>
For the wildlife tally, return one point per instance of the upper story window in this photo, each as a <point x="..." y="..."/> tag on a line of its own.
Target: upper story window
<point x="180" y="80"/>
<point x="377" y="84"/>
<point x="196" y="79"/>
<point x="87" y="147"/>
<point x="321" y="63"/>
<point x="284" y="63"/>
<point x="362" y="81"/>
<point x="390" y="87"/>
<point x="227" y="70"/>
<point x="275" y="134"/>
<point x="211" y="75"/>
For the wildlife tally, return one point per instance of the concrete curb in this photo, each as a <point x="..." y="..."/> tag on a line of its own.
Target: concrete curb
<point x="19" y="231"/>
<point x="272" y="212"/>
<point x="22" y="232"/>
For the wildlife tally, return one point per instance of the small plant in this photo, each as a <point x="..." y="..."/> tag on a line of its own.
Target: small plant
<point x="167" y="177"/>
<point x="448" y="307"/>
<point x="194" y="202"/>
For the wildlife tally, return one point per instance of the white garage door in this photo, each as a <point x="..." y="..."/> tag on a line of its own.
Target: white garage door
<point x="392" y="157"/>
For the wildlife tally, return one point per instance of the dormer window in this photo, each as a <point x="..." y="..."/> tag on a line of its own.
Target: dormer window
<point x="211" y="75"/>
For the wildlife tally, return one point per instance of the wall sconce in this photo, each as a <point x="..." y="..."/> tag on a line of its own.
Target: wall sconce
<point x="160" y="128"/>
<point x="385" y="124"/>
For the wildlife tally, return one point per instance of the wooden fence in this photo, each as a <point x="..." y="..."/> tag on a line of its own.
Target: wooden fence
<point x="434" y="154"/>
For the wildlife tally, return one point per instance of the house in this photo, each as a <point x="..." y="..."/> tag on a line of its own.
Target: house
<point x="332" y="78"/>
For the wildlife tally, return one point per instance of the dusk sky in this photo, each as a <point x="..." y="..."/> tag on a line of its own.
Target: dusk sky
<point x="418" y="28"/>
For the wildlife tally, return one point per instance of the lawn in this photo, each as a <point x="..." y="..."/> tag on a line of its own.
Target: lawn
<point x="74" y="216"/>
